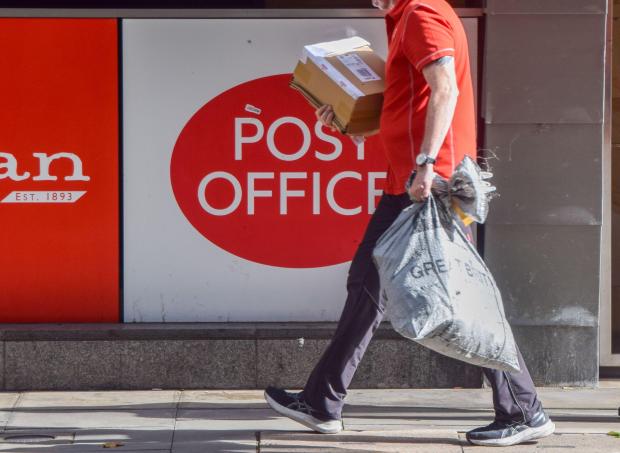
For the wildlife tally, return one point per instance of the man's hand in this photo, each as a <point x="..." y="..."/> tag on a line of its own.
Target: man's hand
<point x="325" y="114"/>
<point x="421" y="187"/>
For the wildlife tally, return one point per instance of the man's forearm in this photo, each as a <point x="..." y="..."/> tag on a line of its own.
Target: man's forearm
<point x="439" y="115"/>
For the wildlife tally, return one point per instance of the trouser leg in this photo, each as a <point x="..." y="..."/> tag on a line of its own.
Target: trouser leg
<point x="514" y="394"/>
<point x="327" y="385"/>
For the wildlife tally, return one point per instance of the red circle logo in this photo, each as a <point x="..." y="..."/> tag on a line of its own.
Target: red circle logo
<point x="256" y="174"/>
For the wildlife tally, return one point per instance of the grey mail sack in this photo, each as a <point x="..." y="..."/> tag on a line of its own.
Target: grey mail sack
<point x="439" y="292"/>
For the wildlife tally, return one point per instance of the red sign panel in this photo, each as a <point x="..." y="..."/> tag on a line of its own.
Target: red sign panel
<point x="59" y="209"/>
<point x="256" y="174"/>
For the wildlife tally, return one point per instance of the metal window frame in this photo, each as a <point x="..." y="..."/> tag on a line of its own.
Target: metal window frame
<point x="606" y="357"/>
<point x="127" y="13"/>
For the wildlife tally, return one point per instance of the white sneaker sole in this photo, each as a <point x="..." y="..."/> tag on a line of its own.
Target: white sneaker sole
<point x="323" y="427"/>
<point x="524" y="436"/>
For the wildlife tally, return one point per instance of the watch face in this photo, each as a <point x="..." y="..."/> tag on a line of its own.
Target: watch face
<point x="421" y="159"/>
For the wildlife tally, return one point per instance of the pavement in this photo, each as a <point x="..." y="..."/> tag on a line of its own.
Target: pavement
<point x="188" y="421"/>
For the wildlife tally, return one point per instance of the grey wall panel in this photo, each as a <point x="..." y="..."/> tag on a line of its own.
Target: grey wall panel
<point x="548" y="275"/>
<point x="560" y="355"/>
<point x="542" y="68"/>
<point x="546" y="6"/>
<point x="546" y="174"/>
<point x="543" y="87"/>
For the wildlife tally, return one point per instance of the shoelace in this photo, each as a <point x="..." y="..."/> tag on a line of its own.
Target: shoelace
<point x="511" y="427"/>
<point x="298" y="404"/>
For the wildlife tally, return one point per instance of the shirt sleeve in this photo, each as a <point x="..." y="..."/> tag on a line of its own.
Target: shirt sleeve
<point x="427" y="36"/>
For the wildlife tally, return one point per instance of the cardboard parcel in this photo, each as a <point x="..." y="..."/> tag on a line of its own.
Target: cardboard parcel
<point x="348" y="75"/>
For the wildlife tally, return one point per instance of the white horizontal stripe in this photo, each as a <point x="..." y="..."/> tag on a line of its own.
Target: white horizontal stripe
<point x="417" y="65"/>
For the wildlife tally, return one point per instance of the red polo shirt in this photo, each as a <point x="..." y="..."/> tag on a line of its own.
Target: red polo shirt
<point x="419" y="32"/>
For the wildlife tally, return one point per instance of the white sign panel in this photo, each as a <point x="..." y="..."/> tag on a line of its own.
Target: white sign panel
<point x="238" y="205"/>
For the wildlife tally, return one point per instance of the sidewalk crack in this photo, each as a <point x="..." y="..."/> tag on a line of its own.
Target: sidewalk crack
<point x="11" y="416"/>
<point x="179" y="397"/>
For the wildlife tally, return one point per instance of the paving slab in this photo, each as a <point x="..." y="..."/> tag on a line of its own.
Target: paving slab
<point x="116" y="400"/>
<point x="580" y="398"/>
<point x="4" y="419"/>
<point x="251" y="420"/>
<point x="214" y="441"/>
<point x="567" y="420"/>
<point x="580" y="421"/>
<point x="57" y="447"/>
<point x="222" y="399"/>
<point x="560" y="443"/>
<point x="420" y="441"/>
<point x="73" y="448"/>
<point x="230" y="430"/>
<point x="75" y="420"/>
<point x="87" y="440"/>
<point x="132" y="439"/>
<point x="395" y="418"/>
<point x="8" y="400"/>
<point x="607" y="397"/>
<point x="236" y="420"/>
<point x="28" y="440"/>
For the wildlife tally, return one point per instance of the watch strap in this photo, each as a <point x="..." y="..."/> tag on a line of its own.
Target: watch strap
<point x="427" y="160"/>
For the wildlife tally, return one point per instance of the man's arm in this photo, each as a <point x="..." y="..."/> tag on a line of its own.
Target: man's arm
<point x="441" y="77"/>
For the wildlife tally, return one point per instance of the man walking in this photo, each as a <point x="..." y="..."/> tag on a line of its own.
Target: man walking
<point x="427" y="125"/>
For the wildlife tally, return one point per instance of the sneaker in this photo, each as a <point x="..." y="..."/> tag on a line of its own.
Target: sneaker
<point x="503" y="434"/>
<point x="293" y="406"/>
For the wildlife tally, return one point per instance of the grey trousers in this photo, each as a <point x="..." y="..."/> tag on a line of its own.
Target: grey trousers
<point x="514" y="395"/>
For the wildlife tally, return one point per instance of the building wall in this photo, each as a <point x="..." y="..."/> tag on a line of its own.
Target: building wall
<point x="543" y="118"/>
<point x="543" y="110"/>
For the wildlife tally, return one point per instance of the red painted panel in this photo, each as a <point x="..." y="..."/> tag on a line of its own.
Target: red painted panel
<point x="59" y="224"/>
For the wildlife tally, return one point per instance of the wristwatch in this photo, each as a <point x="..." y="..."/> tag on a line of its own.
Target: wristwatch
<point x="422" y="159"/>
